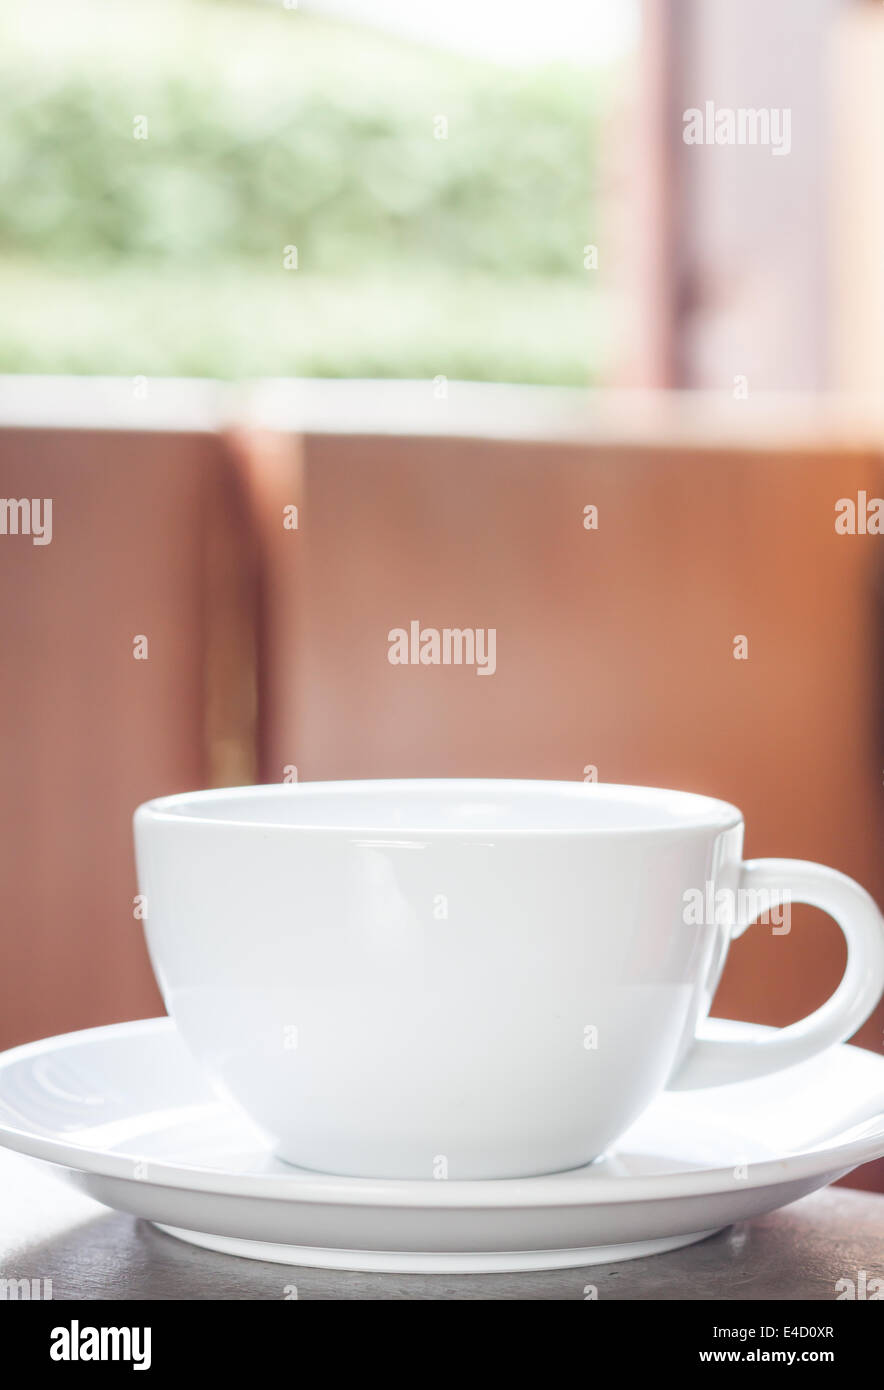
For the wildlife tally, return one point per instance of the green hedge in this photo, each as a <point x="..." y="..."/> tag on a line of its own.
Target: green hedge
<point x="266" y="129"/>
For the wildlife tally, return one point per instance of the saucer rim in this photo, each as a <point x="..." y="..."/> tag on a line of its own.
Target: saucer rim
<point x="540" y="1191"/>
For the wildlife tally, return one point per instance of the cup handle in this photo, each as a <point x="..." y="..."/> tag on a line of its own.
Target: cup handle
<point x="716" y="1062"/>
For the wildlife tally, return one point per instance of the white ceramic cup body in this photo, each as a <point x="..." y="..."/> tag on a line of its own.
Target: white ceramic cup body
<point x="429" y="979"/>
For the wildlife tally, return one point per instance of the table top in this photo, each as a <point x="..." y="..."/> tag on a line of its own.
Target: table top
<point x="50" y="1231"/>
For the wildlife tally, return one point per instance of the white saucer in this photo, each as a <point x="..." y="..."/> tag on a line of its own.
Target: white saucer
<point x="127" y="1115"/>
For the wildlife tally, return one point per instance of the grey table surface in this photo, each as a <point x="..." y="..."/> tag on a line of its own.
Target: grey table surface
<point x="50" y="1231"/>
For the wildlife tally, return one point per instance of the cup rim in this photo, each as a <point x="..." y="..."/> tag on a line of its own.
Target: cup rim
<point x="688" y="812"/>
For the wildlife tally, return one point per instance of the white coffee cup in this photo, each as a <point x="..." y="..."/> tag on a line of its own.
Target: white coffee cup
<point x="468" y="979"/>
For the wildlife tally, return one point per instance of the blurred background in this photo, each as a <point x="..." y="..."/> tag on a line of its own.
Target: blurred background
<point x="421" y="165"/>
<point x="322" y="318"/>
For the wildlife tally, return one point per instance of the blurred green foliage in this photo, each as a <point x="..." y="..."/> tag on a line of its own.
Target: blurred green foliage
<point x="268" y="129"/>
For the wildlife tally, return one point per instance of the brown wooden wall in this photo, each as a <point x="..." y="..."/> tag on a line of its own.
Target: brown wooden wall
<point x="146" y="534"/>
